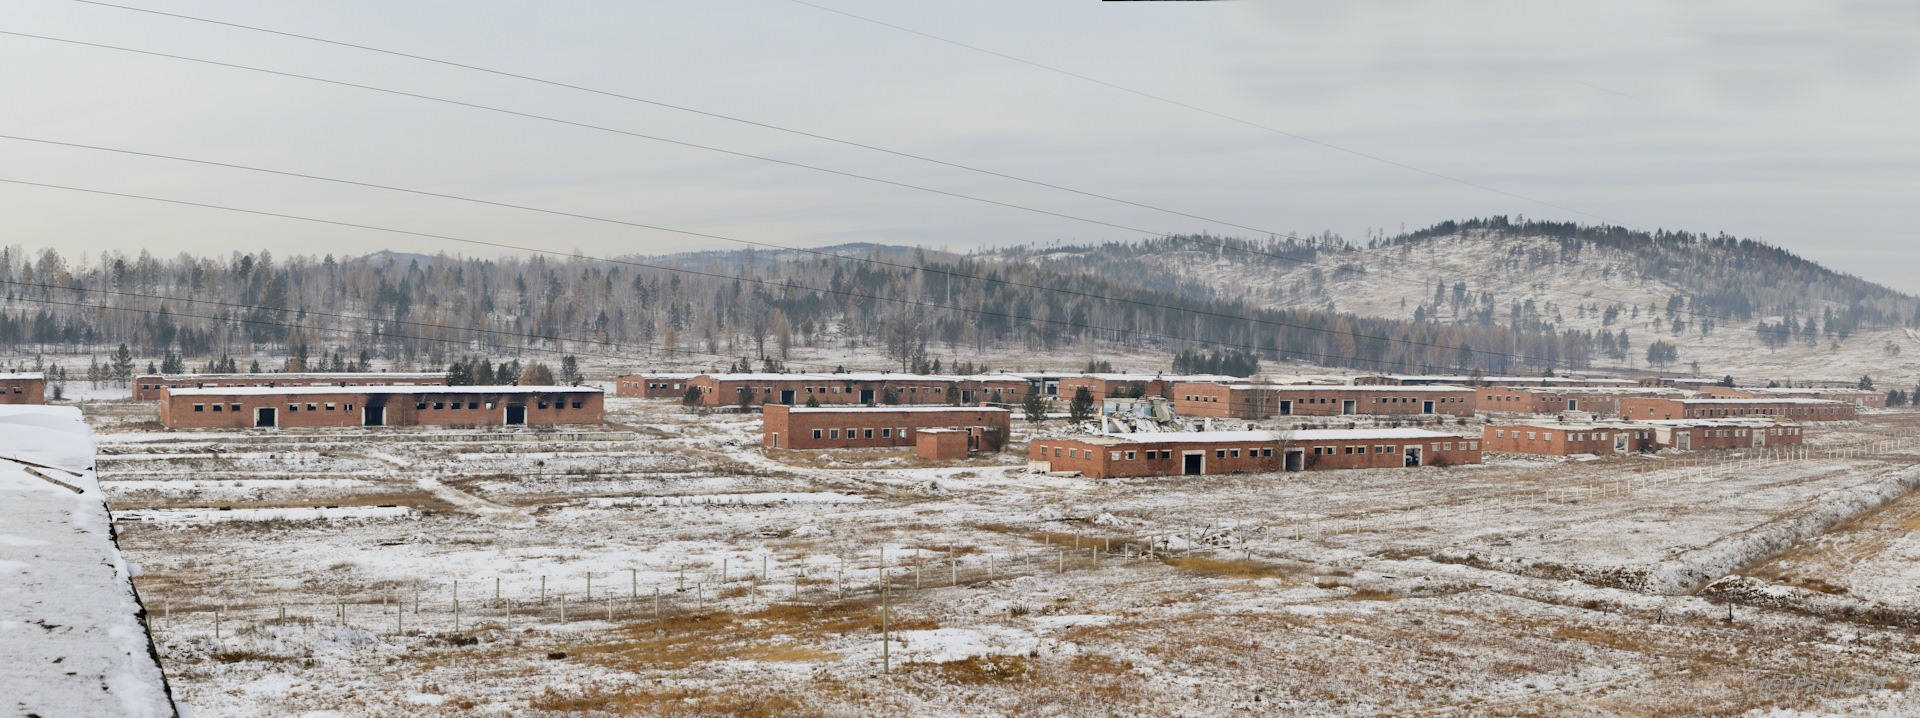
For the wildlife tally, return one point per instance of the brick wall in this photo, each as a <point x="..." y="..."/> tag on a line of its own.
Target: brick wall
<point x="348" y="408"/>
<point x="1563" y="440"/>
<point x="941" y="444"/>
<point x="651" y="387"/>
<point x="1640" y="408"/>
<point x="20" y="390"/>
<point x="150" y="387"/>
<point x="795" y="427"/>
<point x="1219" y="400"/>
<point x="1102" y="460"/>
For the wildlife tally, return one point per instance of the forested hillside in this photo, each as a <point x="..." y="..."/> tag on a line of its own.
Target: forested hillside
<point x="422" y="312"/>
<point x="1501" y="297"/>
<point x="1609" y="293"/>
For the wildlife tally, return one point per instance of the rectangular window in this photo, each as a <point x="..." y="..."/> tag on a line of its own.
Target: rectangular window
<point x="1236" y="453"/>
<point x="1129" y="456"/>
<point x="1473" y="446"/>
<point x="1446" y="446"/>
<point x="1113" y="456"/>
<point x="576" y="405"/>
<point x="1073" y="453"/>
<point x="1056" y="452"/>
<point x="833" y="433"/>
<point x="901" y="432"/>
<point x="1499" y="434"/>
<point x="217" y="407"/>
<point x="1530" y="436"/>
<point x="867" y="434"/>
<point x="489" y="405"/>
<point x="199" y="407"/>
<point x="852" y="432"/>
<point x="1547" y="436"/>
<point x="816" y="434"/>
<point x="438" y="405"/>
<point x="234" y="407"/>
<point x="1219" y="453"/>
<point x="1391" y="449"/>
<point x="420" y="405"/>
<point x="293" y="408"/>
<point x="886" y="433"/>
<point x="1266" y="452"/>
<point x="543" y="405"/>
<point x="1316" y="451"/>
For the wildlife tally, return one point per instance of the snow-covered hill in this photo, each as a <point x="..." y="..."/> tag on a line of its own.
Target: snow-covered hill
<point x="1719" y="290"/>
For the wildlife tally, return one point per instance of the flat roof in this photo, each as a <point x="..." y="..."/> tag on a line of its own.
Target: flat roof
<point x="1210" y="437"/>
<point x="296" y="375"/>
<point x="23" y="375"/>
<point x="849" y="409"/>
<point x="321" y="390"/>
<point x="1216" y="378"/>
<point x="71" y="642"/>
<point x="1349" y="387"/>
<point x="1761" y="401"/>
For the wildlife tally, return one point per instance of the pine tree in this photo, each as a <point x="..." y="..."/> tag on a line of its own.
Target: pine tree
<point x="1034" y="406"/>
<point x="1082" y="407"/>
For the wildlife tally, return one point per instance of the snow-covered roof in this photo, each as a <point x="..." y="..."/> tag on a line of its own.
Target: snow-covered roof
<point x="1196" y="378"/>
<point x="23" y="375"/>
<point x="1724" y="421"/>
<point x="1348" y="387"/>
<point x="319" y="390"/>
<point x="856" y="409"/>
<point x="1762" y="401"/>
<point x="654" y="375"/>
<point x="1223" y="437"/>
<point x="71" y="641"/>
<point x="1807" y="390"/>
<point x="288" y="376"/>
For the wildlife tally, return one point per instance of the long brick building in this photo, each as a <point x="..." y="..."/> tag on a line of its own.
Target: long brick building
<point x="1553" y="400"/>
<point x="248" y="407"/>
<point x="1109" y="385"/>
<point x="23" y="388"/>
<point x="861" y="427"/>
<point x="1468" y="380"/>
<point x="653" y="386"/>
<point x="150" y="387"/>
<point x="1626" y="437"/>
<point x="1260" y="401"/>
<point x="1638" y="409"/>
<point x="858" y="388"/>
<point x="1220" y="452"/>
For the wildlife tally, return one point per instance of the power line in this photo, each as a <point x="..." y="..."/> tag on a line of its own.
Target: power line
<point x="904" y="185"/>
<point x="1202" y="110"/>
<point x="1356" y="336"/>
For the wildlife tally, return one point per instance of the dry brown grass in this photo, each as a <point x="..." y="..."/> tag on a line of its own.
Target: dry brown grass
<point x="1231" y="568"/>
<point x="668" y="702"/>
<point x="777" y="633"/>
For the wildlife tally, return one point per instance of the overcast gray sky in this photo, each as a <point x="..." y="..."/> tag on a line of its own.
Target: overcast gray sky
<point x="1791" y="122"/>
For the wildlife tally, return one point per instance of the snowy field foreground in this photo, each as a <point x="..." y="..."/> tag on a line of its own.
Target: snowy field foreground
<point x="72" y="641"/>
<point x="685" y="571"/>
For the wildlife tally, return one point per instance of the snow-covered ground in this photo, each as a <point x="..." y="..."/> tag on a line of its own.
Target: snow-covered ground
<point x="1525" y="586"/>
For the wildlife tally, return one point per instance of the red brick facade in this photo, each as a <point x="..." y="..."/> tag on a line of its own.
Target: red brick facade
<point x="653" y="386"/>
<point x="1104" y="386"/>
<point x="23" y="389"/>
<point x="863" y="388"/>
<point x="1567" y="439"/>
<point x="859" y="427"/>
<point x="151" y="387"/>
<point x="1562" y="439"/>
<point x="1247" y="401"/>
<point x="381" y="406"/>
<point x="1553" y="400"/>
<point x="1222" y="452"/>
<point x="1639" y="409"/>
<point x="942" y="444"/>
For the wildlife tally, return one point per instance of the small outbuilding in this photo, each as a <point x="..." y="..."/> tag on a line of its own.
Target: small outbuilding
<point x="941" y="444"/>
<point x="20" y="388"/>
